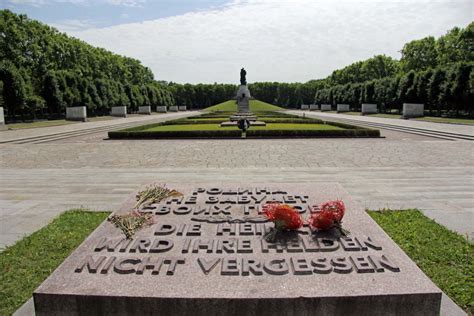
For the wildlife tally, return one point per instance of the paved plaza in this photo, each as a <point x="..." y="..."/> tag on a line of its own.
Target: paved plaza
<point x="39" y="181"/>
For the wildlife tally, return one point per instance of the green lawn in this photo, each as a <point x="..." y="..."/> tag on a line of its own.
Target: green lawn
<point x="39" y="124"/>
<point x="446" y="257"/>
<point x="255" y="106"/>
<point x="445" y="120"/>
<point x="434" y="119"/>
<point x="25" y="265"/>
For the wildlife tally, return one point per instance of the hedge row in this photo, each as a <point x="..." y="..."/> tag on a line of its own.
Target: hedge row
<point x="353" y="132"/>
<point x="362" y="132"/>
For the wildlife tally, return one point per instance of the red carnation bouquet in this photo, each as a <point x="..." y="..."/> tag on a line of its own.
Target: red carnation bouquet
<point x="328" y="216"/>
<point x="283" y="216"/>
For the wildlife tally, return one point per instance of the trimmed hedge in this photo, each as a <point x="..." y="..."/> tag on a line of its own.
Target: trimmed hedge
<point x="174" y="134"/>
<point x="314" y="133"/>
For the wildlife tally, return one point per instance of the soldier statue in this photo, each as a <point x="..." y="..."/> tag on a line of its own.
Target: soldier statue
<point x="243" y="80"/>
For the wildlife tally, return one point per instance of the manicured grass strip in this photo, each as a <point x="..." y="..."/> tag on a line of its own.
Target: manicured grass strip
<point x="39" y="124"/>
<point x="26" y="264"/>
<point x="231" y="106"/>
<point x="445" y="120"/>
<point x="446" y="257"/>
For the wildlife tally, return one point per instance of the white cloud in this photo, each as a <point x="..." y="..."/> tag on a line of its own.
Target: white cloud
<point x="287" y="41"/>
<point x="72" y="25"/>
<point x="127" y="3"/>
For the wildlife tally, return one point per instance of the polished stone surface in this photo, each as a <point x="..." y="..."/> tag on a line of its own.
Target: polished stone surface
<point x="78" y="113"/>
<point x="209" y="250"/>
<point x="411" y="110"/>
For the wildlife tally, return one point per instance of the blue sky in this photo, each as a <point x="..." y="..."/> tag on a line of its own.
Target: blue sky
<point x="102" y="13"/>
<point x="275" y="40"/>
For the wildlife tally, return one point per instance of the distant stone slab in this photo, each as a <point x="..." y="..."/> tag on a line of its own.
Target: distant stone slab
<point x="343" y="108"/>
<point x="368" y="108"/>
<point x="412" y="110"/>
<point x="3" y="126"/>
<point x="235" y="123"/>
<point x="313" y="107"/>
<point x="304" y="106"/>
<point x="144" y="109"/>
<point x="78" y="113"/>
<point x="119" y="111"/>
<point x="173" y="108"/>
<point x="161" y="109"/>
<point x="325" y="107"/>
<point x="182" y="108"/>
<point x="206" y="255"/>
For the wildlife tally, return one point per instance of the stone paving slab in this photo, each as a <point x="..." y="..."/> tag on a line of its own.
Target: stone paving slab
<point x="43" y="131"/>
<point x="448" y="128"/>
<point x="27" y="193"/>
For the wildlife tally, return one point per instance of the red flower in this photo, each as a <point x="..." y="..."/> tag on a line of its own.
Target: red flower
<point x="284" y="216"/>
<point x="328" y="216"/>
<point x="336" y="207"/>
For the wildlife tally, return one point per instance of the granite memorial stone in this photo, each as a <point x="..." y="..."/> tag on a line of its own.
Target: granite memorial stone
<point x="119" y="111"/>
<point x="78" y="113"/>
<point x="146" y="109"/>
<point x="161" y="109"/>
<point x="173" y="108"/>
<point x="368" y="108"/>
<point x="343" y="108"/>
<point x="313" y="107"/>
<point x="206" y="254"/>
<point x="182" y="108"/>
<point x="3" y="126"/>
<point x="412" y="110"/>
<point x="325" y="107"/>
<point x="304" y="107"/>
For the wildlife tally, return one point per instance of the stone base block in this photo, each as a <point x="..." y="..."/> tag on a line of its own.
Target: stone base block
<point x="173" y="108"/>
<point x="182" y="108"/>
<point x="368" y="108"/>
<point x="78" y="113"/>
<point x="411" y="110"/>
<point x="343" y="108"/>
<point x="144" y="110"/>
<point x="161" y="109"/>
<point x="252" y="123"/>
<point x="304" y="107"/>
<point x="3" y="127"/>
<point x="313" y="107"/>
<point x="325" y="107"/>
<point x="239" y="116"/>
<point x="119" y="111"/>
<point x="193" y="264"/>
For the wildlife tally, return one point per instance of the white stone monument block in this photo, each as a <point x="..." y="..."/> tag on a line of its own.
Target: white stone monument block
<point x="161" y="109"/>
<point x="325" y="107"/>
<point x="343" y="108"/>
<point x="173" y="108"/>
<point x="144" y="109"/>
<point x="77" y="113"/>
<point x="182" y="108"/>
<point x="413" y="110"/>
<point x="119" y="111"/>
<point x="2" y="120"/>
<point x="304" y="107"/>
<point x="313" y="107"/>
<point x="369" y="108"/>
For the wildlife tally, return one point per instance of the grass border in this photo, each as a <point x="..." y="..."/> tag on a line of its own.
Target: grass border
<point x="27" y="263"/>
<point x="446" y="257"/>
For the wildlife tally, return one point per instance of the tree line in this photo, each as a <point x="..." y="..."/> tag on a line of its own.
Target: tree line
<point x="42" y="71"/>
<point x="436" y="72"/>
